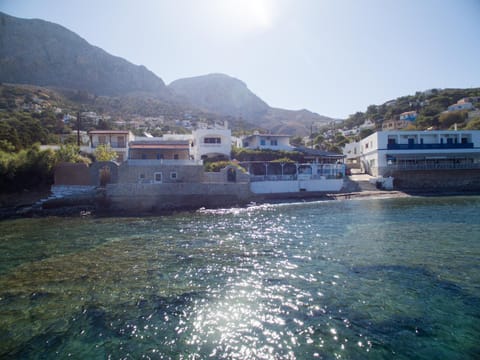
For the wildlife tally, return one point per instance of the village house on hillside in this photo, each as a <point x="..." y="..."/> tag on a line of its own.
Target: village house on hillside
<point x="267" y="141"/>
<point x="463" y="104"/>
<point x="404" y="120"/>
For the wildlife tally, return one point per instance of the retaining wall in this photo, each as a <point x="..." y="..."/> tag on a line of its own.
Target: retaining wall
<point x="438" y="180"/>
<point x="152" y="198"/>
<point x="72" y="174"/>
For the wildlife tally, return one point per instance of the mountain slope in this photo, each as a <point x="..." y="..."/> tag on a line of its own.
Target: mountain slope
<point x="221" y="93"/>
<point x="42" y="53"/>
<point x="229" y="96"/>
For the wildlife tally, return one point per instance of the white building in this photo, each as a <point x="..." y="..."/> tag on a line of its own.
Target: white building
<point x="352" y="153"/>
<point x="267" y="141"/>
<point x="368" y="124"/>
<point x="118" y="141"/>
<point x="461" y="106"/>
<point x="386" y="151"/>
<point x="350" y="132"/>
<point x="211" y="142"/>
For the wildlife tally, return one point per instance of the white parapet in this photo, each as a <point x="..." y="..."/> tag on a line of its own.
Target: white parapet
<point x="293" y="186"/>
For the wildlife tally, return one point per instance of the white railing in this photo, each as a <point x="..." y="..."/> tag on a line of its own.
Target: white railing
<point x="406" y="167"/>
<point x="153" y="162"/>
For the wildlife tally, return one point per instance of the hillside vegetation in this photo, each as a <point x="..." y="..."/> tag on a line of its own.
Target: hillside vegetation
<point x="430" y="106"/>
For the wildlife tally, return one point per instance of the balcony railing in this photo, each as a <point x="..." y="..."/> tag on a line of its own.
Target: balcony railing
<point x="429" y="146"/>
<point x="153" y="162"/>
<point x="300" y="177"/>
<point x="432" y="166"/>
<point x="113" y="144"/>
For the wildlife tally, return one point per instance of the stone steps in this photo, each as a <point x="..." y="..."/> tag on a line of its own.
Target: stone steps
<point x="64" y="191"/>
<point x="367" y="186"/>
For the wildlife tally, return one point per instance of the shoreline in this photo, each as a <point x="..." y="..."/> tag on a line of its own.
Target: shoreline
<point x="81" y="206"/>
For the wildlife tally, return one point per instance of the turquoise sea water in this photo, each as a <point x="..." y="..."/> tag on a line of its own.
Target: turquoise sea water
<point x="357" y="279"/>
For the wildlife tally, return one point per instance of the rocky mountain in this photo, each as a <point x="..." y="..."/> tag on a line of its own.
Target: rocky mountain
<point x="222" y="94"/>
<point x="226" y="95"/>
<point x="46" y="54"/>
<point x="41" y="53"/>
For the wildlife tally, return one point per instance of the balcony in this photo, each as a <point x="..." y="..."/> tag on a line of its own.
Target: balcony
<point x="429" y="146"/>
<point x="113" y="144"/>
<point x="431" y="166"/>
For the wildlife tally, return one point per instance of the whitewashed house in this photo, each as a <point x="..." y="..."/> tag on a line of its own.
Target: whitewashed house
<point x="267" y="141"/>
<point x="385" y="151"/>
<point x="461" y="105"/>
<point x="212" y="141"/>
<point x="118" y="141"/>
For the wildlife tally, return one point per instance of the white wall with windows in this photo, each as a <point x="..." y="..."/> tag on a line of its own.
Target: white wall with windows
<point x="267" y="141"/>
<point x="211" y="143"/>
<point x="386" y="150"/>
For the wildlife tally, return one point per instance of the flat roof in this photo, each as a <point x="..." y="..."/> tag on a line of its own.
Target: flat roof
<point x="109" y="132"/>
<point x="159" y="147"/>
<point x="269" y="135"/>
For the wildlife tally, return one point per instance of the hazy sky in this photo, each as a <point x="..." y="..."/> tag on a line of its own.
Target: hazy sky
<point x="334" y="57"/>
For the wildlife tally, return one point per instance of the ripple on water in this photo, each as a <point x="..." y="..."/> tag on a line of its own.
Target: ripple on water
<point x="286" y="281"/>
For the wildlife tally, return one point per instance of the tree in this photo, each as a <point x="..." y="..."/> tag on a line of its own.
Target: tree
<point x="447" y="119"/>
<point x="105" y="153"/>
<point x="473" y="124"/>
<point x="364" y="133"/>
<point x="296" y="141"/>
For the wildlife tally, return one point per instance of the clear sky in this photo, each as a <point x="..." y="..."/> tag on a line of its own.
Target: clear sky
<point x="334" y="57"/>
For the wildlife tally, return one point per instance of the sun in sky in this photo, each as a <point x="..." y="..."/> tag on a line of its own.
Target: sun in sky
<point x="243" y="16"/>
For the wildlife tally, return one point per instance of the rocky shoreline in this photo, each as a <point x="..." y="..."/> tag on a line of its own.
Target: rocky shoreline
<point x="87" y="205"/>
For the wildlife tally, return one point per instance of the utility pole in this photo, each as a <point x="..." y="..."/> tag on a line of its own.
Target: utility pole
<point x="311" y="135"/>
<point x="78" y="128"/>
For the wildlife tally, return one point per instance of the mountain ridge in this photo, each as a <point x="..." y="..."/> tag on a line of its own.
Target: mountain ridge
<point x="38" y="52"/>
<point x="42" y="53"/>
<point x="228" y="95"/>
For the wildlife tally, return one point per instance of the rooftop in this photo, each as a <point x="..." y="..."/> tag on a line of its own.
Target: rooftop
<point x="109" y="132"/>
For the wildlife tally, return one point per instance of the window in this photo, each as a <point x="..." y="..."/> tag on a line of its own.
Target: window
<point x="157" y="177"/>
<point x="141" y="177"/>
<point x="121" y="142"/>
<point x="212" y="140"/>
<point x="102" y="139"/>
<point x="173" y="175"/>
<point x="262" y="142"/>
<point x="159" y="156"/>
<point x="175" y="156"/>
<point x="274" y="142"/>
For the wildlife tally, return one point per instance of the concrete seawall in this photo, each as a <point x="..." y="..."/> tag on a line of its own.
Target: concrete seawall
<point x="154" y="198"/>
<point x="438" y="180"/>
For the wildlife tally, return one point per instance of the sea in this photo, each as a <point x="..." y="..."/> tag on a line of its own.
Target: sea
<point x="353" y="279"/>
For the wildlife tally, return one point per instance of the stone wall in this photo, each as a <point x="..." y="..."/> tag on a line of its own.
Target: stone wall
<point x="223" y="176"/>
<point x="103" y="172"/>
<point x="146" y="174"/>
<point x="152" y="198"/>
<point x="81" y="175"/>
<point x="438" y="180"/>
<point x="72" y="174"/>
